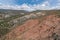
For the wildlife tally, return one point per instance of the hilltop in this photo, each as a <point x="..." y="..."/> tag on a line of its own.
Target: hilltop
<point x="36" y="25"/>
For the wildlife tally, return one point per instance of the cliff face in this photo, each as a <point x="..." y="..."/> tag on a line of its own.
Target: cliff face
<point x="47" y="28"/>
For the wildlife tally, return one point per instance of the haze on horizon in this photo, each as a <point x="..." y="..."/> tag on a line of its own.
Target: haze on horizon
<point x="30" y="5"/>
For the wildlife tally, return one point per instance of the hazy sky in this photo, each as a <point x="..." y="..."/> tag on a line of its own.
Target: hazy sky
<point x="30" y="4"/>
<point x="20" y="2"/>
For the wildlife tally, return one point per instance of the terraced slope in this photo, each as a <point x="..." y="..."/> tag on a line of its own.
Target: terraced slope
<point x="46" y="27"/>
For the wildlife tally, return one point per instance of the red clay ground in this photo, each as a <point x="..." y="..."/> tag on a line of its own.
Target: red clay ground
<point x="36" y="29"/>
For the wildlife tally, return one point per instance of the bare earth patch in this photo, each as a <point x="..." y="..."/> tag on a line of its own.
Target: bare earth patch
<point x="36" y="29"/>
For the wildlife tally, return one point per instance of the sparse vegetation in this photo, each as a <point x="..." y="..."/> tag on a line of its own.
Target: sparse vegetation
<point x="55" y="36"/>
<point x="17" y="18"/>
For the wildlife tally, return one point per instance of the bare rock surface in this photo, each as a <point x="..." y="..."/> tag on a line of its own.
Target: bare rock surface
<point x="35" y="29"/>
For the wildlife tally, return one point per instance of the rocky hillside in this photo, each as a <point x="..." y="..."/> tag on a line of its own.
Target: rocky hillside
<point x="37" y="25"/>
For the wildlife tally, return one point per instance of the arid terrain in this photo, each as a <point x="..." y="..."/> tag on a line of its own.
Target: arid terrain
<point x="36" y="25"/>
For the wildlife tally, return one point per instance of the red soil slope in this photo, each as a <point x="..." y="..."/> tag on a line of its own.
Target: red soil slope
<point x="36" y="29"/>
